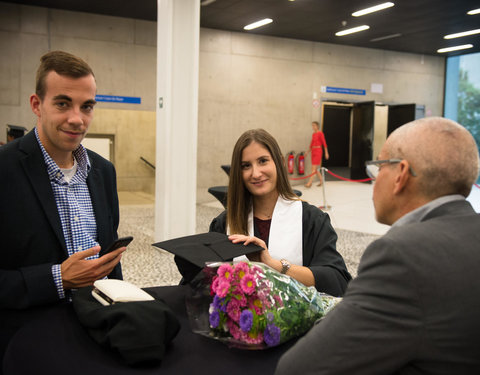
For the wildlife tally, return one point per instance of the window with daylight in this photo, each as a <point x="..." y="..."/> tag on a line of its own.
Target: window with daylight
<point x="462" y="92"/>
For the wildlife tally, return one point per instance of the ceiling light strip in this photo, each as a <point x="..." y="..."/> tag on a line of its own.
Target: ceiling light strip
<point x="464" y="33"/>
<point x="375" y="8"/>
<point x="473" y="11"/>
<point x="352" y="30"/>
<point x="260" y="23"/>
<point x="391" y="36"/>
<point x="455" y="48"/>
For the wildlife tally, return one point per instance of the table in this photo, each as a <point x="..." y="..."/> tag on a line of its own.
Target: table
<point x="57" y="343"/>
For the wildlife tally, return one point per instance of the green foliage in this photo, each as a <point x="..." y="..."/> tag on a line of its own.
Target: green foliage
<point x="469" y="106"/>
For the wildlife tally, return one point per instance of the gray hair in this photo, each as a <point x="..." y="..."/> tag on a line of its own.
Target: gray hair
<point x="443" y="154"/>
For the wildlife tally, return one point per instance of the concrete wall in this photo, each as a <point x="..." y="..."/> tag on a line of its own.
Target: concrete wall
<point x="121" y="52"/>
<point x="250" y="81"/>
<point x="246" y="81"/>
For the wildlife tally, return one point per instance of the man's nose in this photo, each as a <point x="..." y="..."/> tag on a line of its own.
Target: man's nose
<point x="75" y="117"/>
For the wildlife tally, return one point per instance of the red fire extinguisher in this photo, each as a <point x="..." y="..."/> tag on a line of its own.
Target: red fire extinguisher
<point x="290" y="162"/>
<point x="301" y="163"/>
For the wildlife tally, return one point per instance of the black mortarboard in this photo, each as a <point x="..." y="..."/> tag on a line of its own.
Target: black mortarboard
<point x="16" y="131"/>
<point x="226" y="169"/>
<point x="206" y="247"/>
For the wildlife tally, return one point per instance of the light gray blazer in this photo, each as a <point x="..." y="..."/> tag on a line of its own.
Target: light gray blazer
<point x="414" y="307"/>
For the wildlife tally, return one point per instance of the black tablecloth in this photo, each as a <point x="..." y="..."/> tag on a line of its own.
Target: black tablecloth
<point x="56" y="343"/>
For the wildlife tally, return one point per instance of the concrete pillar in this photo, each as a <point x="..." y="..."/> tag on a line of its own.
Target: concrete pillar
<point x="178" y="31"/>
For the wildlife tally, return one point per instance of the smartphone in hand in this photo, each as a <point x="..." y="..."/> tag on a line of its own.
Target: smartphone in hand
<point x="119" y="242"/>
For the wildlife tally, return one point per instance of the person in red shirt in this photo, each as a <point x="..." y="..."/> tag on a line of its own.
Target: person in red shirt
<point x="318" y="141"/>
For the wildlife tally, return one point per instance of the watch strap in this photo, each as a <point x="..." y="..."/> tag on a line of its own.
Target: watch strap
<point x="285" y="265"/>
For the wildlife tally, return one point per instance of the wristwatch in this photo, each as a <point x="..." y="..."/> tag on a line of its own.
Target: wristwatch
<point x="285" y="265"/>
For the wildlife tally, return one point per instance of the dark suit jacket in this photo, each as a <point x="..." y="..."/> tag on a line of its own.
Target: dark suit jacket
<point x="30" y="229"/>
<point x="414" y="307"/>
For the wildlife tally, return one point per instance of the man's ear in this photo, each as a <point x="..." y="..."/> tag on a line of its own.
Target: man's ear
<point x="402" y="177"/>
<point x="35" y="104"/>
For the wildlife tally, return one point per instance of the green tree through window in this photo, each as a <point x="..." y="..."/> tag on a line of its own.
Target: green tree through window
<point x="469" y="105"/>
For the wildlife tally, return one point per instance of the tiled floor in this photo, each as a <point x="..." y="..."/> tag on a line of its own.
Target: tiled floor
<point x="349" y="204"/>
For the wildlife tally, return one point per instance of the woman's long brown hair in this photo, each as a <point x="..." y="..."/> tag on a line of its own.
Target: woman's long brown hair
<point x="239" y="199"/>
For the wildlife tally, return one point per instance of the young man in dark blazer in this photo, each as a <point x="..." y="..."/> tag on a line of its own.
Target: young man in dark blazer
<point x="58" y="201"/>
<point x="414" y="307"/>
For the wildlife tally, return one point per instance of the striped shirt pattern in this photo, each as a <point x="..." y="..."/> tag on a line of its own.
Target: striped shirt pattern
<point x="74" y="207"/>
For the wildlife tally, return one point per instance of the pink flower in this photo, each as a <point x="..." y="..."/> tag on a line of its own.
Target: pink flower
<point x="241" y="269"/>
<point x="257" y="305"/>
<point x="254" y="337"/>
<point x="278" y="300"/>
<point x="256" y="270"/>
<point x="225" y="272"/>
<point x="240" y="297"/>
<point x="248" y="284"/>
<point x="236" y="288"/>
<point x="236" y="332"/>
<point x="233" y="309"/>
<point x="222" y="288"/>
<point x="214" y="286"/>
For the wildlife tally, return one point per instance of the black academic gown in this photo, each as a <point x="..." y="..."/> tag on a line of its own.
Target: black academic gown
<point x="319" y="249"/>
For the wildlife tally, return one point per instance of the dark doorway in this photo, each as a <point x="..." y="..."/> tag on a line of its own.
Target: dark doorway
<point x="400" y="114"/>
<point x="336" y="127"/>
<point x="362" y="138"/>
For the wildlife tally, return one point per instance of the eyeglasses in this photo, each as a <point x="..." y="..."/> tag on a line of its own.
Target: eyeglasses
<point x="373" y="167"/>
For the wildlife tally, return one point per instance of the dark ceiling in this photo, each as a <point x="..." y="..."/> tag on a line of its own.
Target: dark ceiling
<point x="420" y="23"/>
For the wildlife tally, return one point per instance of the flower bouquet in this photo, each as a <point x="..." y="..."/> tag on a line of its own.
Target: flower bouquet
<point x="249" y="305"/>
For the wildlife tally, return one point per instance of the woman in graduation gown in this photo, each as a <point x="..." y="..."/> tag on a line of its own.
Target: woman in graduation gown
<point x="263" y="209"/>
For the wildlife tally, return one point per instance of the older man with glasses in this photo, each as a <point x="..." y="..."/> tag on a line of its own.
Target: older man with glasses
<point x="414" y="307"/>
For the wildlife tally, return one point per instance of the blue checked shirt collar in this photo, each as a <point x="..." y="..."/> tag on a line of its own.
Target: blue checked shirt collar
<point x="53" y="170"/>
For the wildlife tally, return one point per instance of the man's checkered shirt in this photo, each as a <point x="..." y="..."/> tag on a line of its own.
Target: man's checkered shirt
<point x="74" y="207"/>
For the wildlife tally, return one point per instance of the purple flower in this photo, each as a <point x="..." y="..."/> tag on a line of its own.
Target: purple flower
<point x="271" y="335"/>
<point x="246" y="320"/>
<point x="219" y="304"/>
<point x="214" y="319"/>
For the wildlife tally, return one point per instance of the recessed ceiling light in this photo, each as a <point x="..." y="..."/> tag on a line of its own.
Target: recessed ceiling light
<point x="375" y="8"/>
<point x="459" y="35"/>
<point x="456" y="48"/>
<point x="352" y="30"/>
<point x="474" y="11"/>
<point x="391" y="36"/>
<point x="204" y="3"/>
<point x="254" y="25"/>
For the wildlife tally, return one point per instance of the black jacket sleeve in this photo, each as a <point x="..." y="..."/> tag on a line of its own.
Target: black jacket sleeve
<point x="320" y="254"/>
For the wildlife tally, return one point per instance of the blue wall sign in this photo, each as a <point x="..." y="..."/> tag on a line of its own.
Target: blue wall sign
<point x="342" y="90"/>
<point x="118" y="99"/>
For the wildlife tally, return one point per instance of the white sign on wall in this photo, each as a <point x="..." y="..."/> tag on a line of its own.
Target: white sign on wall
<point x="100" y="145"/>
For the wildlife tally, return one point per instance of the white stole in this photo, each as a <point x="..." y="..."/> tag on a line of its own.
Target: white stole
<point x="285" y="240"/>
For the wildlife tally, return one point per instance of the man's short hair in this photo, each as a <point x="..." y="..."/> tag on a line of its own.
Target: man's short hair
<point x="63" y="63"/>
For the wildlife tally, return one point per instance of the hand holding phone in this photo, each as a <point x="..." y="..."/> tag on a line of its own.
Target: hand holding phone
<point x="120" y="242"/>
